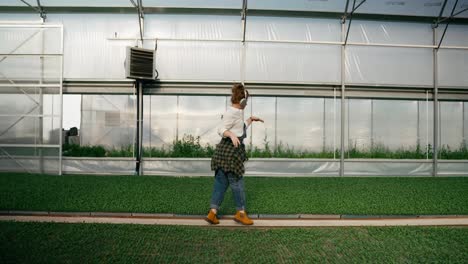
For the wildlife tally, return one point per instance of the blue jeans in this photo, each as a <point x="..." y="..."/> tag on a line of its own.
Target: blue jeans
<point x="222" y="182"/>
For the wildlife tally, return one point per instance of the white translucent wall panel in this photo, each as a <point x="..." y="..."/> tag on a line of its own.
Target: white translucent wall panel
<point x="20" y="120"/>
<point x="395" y="123"/>
<point x="29" y="69"/>
<point x="456" y="35"/>
<point x="293" y="29"/>
<point x="146" y="121"/>
<point x="30" y="40"/>
<point x="358" y="124"/>
<point x="88" y="51"/>
<point x="391" y="66"/>
<point x="200" y="116"/>
<point x="300" y="123"/>
<point x="263" y="133"/>
<point x="26" y="130"/>
<point x="160" y="113"/>
<point x="184" y="26"/>
<point x="333" y="124"/>
<point x="189" y="60"/>
<point x="71" y="111"/>
<point x="453" y="67"/>
<point x="108" y="120"/>
<point x="300" y="63"/>
<point x="426" y="124"/>
<point x="30" y="159"/>
<point x="366" y="31"/>
<point x="451" y="124"/>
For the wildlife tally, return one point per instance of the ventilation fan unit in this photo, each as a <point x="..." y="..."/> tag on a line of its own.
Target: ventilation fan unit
<point x="139" y="64"/>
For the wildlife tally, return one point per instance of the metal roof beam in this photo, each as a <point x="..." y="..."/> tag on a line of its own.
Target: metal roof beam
<point x="448" y="22"/>
<point x="38" y="9"/>
<point x="350" y="17"/>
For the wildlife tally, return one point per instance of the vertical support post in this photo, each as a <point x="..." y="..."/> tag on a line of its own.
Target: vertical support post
<point x="324" y="126"/>
<point x="463" y="123"/>
<point x="334" y="123"/>
<point x="150" y="128"/>
<point x="372" y="124"/>
<point x="139" y="134"/>
<point x="41" y="107"/>
<point x="276" y="123"/>
<point x="251" y="127"/>
<point x="177" y="120"/>
<point x="418" y="132"/>
<point x="343" y="112"/>
<point x="436" y="105"/>
<point x="61" y="101"/>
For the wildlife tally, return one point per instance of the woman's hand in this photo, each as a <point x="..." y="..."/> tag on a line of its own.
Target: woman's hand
<point x="233" y="137"/>
<point x="254" y="119"/>
<point x="235" y="140"/>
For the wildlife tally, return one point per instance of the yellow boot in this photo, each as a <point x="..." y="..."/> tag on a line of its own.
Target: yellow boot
<point x="241" y="217"/>
<point x="212" y="218"/>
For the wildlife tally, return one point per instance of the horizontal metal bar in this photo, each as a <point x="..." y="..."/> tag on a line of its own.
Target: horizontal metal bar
<point x="30" y="85"/>
<point x="97" y="159"/>
<point x="21" y="115"/>
<point x="301" y="42"/>
<point x="30" y="54"/>
<point x="29" y="146"/>
<point x="26" y="25"/>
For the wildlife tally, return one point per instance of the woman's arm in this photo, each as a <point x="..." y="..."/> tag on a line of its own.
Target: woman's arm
<point x="252" y="119"/>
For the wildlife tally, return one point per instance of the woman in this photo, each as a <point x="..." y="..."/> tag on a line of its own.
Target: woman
<point x="229" y="157"/>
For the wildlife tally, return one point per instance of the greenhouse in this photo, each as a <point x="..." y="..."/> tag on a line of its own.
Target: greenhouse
<point x="346" y="87"/>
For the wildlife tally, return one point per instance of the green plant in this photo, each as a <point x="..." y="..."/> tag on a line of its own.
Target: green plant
<point x="190" y="146"/>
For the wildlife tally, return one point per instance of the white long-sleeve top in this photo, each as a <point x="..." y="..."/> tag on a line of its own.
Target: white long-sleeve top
<point x="233" y="120"/>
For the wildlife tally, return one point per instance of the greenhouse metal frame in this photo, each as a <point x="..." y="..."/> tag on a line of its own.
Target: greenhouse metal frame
<point x="342" y="90"/>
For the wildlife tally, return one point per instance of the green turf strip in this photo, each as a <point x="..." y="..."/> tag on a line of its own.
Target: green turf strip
<point x="183" y="195"/>
<point x="97" y="243"/>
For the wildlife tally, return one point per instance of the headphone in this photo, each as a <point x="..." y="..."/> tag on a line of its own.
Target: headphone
<point x="243" y="101"/>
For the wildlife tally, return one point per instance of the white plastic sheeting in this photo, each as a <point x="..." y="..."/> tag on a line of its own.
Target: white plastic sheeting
<point x="30" y="114"/>
<point x="297" y="63"/>
<point x="389" y="66"/>
<point x="293" y="29"/>
<point x="193" y="26"/>
<point x="95" y="48"/>
<point x="367" y="31"/>
<point x="88" y="53"/>
<point x="303" y="124"/>
<point x="452" y="126"/>
<point x="188" y="60"/>
<point x="386" y="168"/>
<point x="31" y="163"/>
<point x="255" y="167"/>
<point x="453" y="66"/>
<point x="108" y="120"/>
<point x="111" y="166"/>
<point x="394" y="123"/>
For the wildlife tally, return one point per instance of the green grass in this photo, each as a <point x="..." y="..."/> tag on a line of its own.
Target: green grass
<point x="185" y="195"/>
<point x="97" y="243"/>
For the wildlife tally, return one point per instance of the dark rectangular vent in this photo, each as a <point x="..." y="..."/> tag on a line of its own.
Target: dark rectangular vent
<point x="139" y="63"/>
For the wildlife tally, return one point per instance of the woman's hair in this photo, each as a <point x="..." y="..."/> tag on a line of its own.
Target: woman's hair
<point x="238" y="92"/>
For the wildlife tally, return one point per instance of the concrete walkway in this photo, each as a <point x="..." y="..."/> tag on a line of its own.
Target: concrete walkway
<point x="167" y="219"/>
